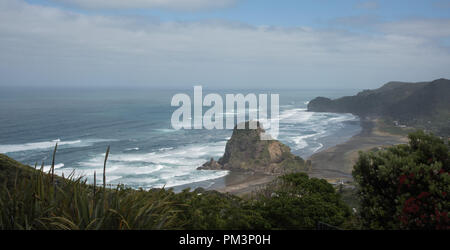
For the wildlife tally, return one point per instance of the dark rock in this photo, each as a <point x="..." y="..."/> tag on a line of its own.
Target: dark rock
<point x="245" y="151"/>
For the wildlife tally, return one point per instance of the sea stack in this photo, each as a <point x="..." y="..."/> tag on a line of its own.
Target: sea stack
<point x="245" y="151"/>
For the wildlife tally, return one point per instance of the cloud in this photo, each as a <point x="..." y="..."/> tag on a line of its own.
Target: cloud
<point x="425" y="28"/>
<point x="49" y="46"/>
<point x="368" y="5"/>
<point x="189" y="5"/>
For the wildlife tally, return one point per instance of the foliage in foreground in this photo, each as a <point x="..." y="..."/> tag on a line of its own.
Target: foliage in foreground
<point x="295" y="201"/>
<point x="406" y="186"/>
<point x="36" y="200"/>
<point x="402" y="187"/>
<point x="39" y="203"/>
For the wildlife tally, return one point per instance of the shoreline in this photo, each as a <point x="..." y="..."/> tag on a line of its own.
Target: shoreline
<point x="336" y="163"/>
<point x="242" y="183"/>
<point x="333" y="164"/>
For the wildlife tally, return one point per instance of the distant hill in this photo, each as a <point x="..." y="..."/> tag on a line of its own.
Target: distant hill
<point x="245" y="151"/>
<point x="423" y="105"/>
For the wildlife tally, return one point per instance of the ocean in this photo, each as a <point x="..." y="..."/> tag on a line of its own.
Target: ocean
<point x="146" y="152"/>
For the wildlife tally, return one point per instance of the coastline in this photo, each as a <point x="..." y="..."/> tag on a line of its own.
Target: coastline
<point x="334" y="164"/>
<point x="242" y="183"/>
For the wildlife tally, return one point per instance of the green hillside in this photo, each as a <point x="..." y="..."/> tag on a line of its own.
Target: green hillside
<point x="10" y="168"/>
<point x="423" y="105"/>
<point x="30" y="199"/>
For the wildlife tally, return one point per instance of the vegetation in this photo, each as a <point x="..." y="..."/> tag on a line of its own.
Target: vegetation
<point x="10" y="168"/>
<point x="388" y="126"/>
<point x="422" y="105"/>
<point x="203" y="210"/>
<point x="405" y="186"/>
<point x="295" y="201"/>
<point x="401" y="187"/>
<point x="41" y="200"/>
<point x="38" y="202"/>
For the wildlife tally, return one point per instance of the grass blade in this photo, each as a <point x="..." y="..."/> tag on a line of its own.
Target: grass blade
<point x="53" y="162"/>
<point x="104" y="168"/>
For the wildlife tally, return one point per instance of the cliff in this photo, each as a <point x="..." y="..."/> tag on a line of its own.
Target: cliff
<point x="423" y="105"/>
<point x="246" y="152"/>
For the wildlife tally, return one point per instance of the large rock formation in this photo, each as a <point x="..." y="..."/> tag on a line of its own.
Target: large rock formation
<point x="245" y="151"/>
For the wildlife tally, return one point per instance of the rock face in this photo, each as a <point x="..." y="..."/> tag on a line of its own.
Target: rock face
<point x="423" y="105"/>
<point x="245" y="151"/>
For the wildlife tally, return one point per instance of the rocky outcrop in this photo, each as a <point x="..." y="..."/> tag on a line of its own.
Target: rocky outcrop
<point x="245" y="151"/>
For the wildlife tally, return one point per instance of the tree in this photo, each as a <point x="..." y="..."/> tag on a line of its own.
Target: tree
<point x="294" y="201"/>
<point x="405" y="186"/>
<point x="211" y="210"/>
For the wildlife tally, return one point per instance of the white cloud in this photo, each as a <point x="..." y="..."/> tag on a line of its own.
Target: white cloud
<point x="431" y="28"/>
<point x="45" y="45"/>
<point x="166" y="4"/>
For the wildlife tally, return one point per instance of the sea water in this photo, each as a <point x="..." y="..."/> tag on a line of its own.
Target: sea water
<point x="146" y="152"/>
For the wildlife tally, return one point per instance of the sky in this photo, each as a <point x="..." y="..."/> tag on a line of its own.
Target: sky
<point x="223" y="43"/>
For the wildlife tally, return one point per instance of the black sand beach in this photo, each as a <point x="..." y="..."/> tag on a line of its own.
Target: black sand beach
<point x="337" y="162"/>
<point x="333" y="164"/>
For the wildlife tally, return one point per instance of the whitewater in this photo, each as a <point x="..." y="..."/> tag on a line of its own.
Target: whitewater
<point x="145" y="151"/>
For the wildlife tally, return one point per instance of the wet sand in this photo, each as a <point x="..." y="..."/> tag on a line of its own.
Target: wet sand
<point x="333" y="164"/>
<point x="242" y="183"/>
<point x="336" y="163"/>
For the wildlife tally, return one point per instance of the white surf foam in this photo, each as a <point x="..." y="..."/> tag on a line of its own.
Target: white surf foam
<point x="318" y="148"/>
<point x="300" y="141"/>
<point x="298" y="115"/>
<point x="210" y="175"/>
<point x="44" y="145"/>
<point x="163" y="167"/>
<point x="34" y="146"/>
<point x="57" y="166"/>
<point x="166" y="130"/>
<point x="295" y="122"/>
<point x="132" y="149"/>
<point x="165" y="149"/>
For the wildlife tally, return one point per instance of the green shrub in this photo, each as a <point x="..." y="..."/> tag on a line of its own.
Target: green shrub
<point x="32" y="199"/>
<point x="405" y="186"/>
<point x="37" y="203"/>
<point x="294" y="201"/>
<point x="211" y="210"/>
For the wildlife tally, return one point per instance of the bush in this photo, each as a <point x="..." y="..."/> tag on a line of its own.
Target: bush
<point x="39" y="203"/>
<point x="32" y="199"/>
<point x="405" y="186"/>
<point x="294" y="201"/>
<point x="211" y="210"/>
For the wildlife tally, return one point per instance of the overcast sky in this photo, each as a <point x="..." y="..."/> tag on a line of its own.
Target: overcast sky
<point x="223" y="43"/>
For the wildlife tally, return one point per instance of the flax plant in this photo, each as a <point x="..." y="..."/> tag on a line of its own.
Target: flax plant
<point x="46" y="201"/>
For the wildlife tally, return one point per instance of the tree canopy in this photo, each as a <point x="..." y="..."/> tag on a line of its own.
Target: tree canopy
<point x="295" y="201"/>
<point x="405" y="186"/>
